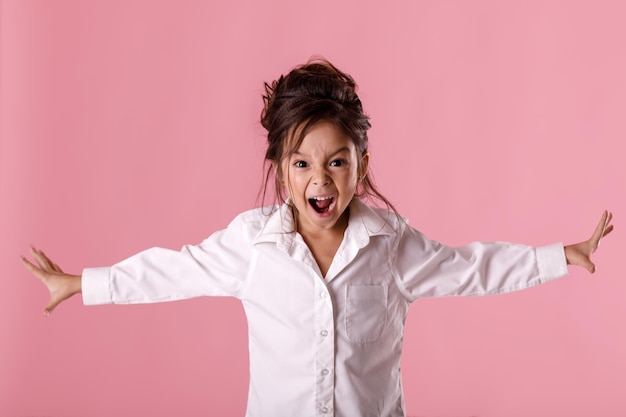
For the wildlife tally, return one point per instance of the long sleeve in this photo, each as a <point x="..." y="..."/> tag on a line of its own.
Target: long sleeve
<point x="426" y="268"/>
<point x="216" y="267"/>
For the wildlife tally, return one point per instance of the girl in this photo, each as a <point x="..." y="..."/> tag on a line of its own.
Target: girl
<point x="325" y="280"/>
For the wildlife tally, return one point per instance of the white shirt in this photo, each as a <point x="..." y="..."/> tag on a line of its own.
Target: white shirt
<point x="323" y="346"/>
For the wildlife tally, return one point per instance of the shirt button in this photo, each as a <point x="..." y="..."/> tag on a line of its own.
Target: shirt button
<point x="325" y="372"/>
<point x="323" y="294"/>
<point x="325" y="410"/>
<point x="324" y="333"/>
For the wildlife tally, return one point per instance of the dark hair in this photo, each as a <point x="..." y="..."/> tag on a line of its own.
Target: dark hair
<point x="311" y="93"/>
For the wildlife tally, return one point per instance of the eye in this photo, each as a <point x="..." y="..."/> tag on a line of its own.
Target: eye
<point x="338" y="163"/>
<point x="300" y="164"/>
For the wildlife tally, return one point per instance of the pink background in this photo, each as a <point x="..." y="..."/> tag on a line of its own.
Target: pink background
<point x="131" y="124"/>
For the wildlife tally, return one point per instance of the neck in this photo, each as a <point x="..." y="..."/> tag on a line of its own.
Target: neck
<point x="311" y="234"/>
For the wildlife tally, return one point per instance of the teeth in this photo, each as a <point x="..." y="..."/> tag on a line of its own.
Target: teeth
<point x="321" y="204"/>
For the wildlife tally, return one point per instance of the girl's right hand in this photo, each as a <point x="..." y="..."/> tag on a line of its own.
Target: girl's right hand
<point x="60" y="285"/>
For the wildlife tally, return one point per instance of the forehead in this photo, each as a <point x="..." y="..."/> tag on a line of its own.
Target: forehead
<point x="321" y="137"/>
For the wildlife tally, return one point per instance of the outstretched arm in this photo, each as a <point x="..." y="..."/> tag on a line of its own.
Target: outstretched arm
<point x="60" y="285"/>
<point x="580" y="253"/>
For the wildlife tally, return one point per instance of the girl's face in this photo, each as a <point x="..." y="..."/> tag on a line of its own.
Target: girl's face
<point x="321" y="178"/>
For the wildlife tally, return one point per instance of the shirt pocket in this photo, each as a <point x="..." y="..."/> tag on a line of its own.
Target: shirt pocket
<point x="366" y="312"/>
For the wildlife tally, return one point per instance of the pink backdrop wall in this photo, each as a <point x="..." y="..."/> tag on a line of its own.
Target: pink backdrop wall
<point x="131" y="124"/>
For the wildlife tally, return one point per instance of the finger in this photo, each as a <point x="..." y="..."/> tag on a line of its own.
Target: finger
<point x="53" y="266"/>
<point x="608" y="227"/>
<point x="57" y="268"/>
<point x="41" y="275"/>
<point x="50" y="263"/>
<point x="597" y="234"/>
<point x="32" y="268"/>
<point x="42" y="259"/>
<point x="607" y="222"/>
<point x="607" y="230"/>
<point x="38" y="258"/>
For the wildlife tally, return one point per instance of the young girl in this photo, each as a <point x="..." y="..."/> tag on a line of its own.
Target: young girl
<point x="325" y="280"/>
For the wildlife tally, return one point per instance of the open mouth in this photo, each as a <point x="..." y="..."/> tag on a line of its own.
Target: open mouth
<point x="321" y="204"/>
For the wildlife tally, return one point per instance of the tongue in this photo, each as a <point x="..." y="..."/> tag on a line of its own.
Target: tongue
<point x="323" y="204"/>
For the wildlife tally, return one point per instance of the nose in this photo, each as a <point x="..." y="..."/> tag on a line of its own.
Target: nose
<point x="321" y="177"/>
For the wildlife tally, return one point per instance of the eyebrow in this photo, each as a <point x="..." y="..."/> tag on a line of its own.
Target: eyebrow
<point x="343" y="149"/>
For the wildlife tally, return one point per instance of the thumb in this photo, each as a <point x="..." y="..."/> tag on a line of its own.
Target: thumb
<point x="48" y="310"/>
<point x="51" y="306"/>
<point x="589" y="266"/>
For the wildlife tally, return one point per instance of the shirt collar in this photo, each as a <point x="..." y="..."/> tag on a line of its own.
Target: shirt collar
<point x="364" y="222"/>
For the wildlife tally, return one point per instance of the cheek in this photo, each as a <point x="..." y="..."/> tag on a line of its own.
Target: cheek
<point x="287" y="176"/>
<point x="292" y="183"/>
<point x="351" y="179"/>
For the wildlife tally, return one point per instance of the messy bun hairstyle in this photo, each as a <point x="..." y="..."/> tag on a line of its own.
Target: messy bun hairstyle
<point x="311" y="93"/>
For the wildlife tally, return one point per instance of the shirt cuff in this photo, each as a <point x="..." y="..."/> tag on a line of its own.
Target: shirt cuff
<point x="551" y="261"/>
<point x="96" y="288"/>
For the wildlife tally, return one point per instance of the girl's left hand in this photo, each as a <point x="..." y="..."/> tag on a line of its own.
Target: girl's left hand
<point x="580" y="253"/>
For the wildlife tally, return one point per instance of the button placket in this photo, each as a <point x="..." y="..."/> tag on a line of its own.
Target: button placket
<point x="324" y="349"/>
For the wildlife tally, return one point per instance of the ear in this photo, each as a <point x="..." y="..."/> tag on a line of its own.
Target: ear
<point x="365" y="160"/>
